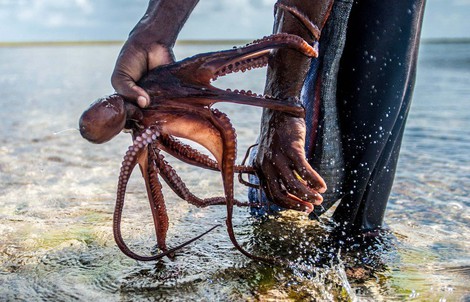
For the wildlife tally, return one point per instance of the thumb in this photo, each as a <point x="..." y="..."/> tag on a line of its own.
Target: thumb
<point x="126" y="86"/>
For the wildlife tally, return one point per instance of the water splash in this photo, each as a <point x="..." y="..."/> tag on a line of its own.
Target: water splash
<point x="66" y="130"/>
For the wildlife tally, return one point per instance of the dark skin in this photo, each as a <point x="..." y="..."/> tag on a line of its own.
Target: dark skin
<point x="281" y="161"/>
<point x="281" y="158"/>
<point x="149" y="45"/>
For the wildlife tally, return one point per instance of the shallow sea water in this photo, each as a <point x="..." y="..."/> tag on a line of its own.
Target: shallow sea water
<point x="57" y="195"/>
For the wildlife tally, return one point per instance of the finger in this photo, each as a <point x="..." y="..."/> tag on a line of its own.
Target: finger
<point x="131" y="65"/>
<point x="273" y="190"/>
<point x="314" y="180"/>
<point x="143" y="100"/>
<point x="125" y="85"/>
<point x="296" y="186"/>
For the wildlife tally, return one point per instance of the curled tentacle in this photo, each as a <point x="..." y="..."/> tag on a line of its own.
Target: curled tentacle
<point x="312" y="28"/>
<point x="240" y="173"/>
<point x="178" y="186"/>
<point x="130" y="160"/>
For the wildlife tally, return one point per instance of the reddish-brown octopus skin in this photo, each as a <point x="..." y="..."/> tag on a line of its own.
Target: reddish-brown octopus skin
<point x="103" y="120"/>
<point x="181" y="100"/>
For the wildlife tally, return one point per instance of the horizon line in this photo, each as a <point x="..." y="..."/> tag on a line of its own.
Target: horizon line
<point x="116" y="42"/>
<point x="185" y="42"/>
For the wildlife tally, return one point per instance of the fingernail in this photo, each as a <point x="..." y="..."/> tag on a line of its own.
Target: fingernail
<point x="142" y="101"/>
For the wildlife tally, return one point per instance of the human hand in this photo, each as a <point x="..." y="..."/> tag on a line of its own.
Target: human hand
<point x="285" y="175"/>
<point x="137" y="57"/>
<point x="149" y="45"/>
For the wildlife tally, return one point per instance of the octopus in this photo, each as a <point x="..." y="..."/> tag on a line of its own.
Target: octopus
<point x="182" y="96"/>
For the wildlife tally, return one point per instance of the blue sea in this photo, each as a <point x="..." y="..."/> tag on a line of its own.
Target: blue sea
<point x="57" y="196"/>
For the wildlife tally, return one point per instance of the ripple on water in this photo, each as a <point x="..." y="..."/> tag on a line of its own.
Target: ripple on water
<point x="150" y="278"/>
<point x="72" y="271"/>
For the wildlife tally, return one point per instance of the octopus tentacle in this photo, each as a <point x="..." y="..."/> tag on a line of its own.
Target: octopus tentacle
<point x="312" y="28"/>
<point x="178" y="186"/>
<point x="156" y="199"/>
<point x="186" y="153"/>
<point x="130" y="160"/>
<point x="240" y="174"/>
<point x="287" y="40"/>
<point x="189" y="155"/>
<point x="243" y="57"/>
<point x="222" y="122"/>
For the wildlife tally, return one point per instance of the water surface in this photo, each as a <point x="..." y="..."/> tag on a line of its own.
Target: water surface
<point x="57" y="197"/>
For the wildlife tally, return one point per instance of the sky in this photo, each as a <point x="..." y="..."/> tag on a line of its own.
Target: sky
<point x="85" y="20"/>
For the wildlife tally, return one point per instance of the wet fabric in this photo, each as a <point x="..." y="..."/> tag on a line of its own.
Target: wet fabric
<point x="357" y="96"/>
<point x="323" y="138"/>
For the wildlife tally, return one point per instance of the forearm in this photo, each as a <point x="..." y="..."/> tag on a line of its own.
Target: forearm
<point x="287" y="69"/>
<point x="163" y="21"/>
<point x="282" y="137"/>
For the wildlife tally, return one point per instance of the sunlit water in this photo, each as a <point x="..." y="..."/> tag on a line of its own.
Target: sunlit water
<point x="57" y="195"/>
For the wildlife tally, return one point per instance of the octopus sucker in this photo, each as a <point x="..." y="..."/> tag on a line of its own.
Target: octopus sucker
<point x="157" y="204"/>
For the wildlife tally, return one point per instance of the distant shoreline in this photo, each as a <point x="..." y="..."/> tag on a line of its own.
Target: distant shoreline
<point x="114" y="42"/>
<point x="187" y="42"/>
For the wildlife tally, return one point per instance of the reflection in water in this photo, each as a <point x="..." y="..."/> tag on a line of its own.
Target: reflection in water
<point x="57" y="195"/>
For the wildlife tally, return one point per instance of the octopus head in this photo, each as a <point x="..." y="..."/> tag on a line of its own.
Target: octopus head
<point x="104" y="119"/>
